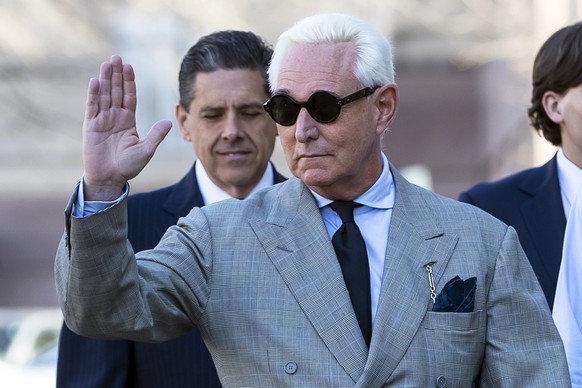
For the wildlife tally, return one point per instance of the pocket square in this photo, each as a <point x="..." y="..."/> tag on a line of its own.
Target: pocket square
<point x="457" y="296"/>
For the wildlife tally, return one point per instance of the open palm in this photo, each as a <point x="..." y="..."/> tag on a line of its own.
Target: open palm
<point x="113" y="153"/>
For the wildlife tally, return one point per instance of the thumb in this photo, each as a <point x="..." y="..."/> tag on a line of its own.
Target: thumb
<point x="156" y="134"/>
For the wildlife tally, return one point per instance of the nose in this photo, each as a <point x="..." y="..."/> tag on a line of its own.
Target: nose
<point x="305" y="127"/>
<point x="231" y="129"/>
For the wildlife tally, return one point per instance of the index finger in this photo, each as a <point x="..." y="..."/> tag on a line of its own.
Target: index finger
<point x="92" y="106"/>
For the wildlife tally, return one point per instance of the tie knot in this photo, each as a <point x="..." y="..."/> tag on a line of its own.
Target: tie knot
<point x="345" y="209"/>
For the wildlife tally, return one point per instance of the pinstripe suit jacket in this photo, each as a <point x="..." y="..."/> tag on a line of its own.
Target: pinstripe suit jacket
<point x="181" y="362"/>
<point x="531" y="202"/>
<point x="269" y="299"/>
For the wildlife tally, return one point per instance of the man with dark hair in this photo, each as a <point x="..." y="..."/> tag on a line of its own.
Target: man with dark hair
<point x="538" y="202"/>
<point x="223" y="85"/>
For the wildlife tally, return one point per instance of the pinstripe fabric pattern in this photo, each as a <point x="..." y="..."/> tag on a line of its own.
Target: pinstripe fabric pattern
<point x="267" y="294"/>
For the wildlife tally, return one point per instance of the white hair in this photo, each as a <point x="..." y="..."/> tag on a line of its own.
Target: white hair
<point x="374" y="64"/>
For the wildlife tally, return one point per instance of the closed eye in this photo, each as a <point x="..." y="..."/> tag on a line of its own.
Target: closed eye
<point x="251" y="113"/>
<point x="212" y="114"/>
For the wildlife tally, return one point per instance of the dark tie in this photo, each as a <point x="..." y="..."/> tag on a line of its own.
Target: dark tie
<point x="350" y="249"/>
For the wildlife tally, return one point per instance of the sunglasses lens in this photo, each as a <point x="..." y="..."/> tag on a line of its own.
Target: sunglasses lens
<point x="283" y="110"/>
<point x="323" y="107"/>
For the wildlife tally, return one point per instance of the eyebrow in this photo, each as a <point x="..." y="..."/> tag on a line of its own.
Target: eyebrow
<point x="206" y="109"/>
<point x="239" y="106"/>
<point x="281" y="91"/>
<point x="214" y="108"/>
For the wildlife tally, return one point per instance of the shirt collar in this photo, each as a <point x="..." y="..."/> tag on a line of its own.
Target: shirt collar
<point x="212" y="193"/>
<point x="570" y="177"/>
<point x="376" y="195"/>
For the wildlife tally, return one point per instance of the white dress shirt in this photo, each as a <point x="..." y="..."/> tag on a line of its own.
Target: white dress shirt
<point x="212" y="193"/>
<point x="567" y="311"/>
<point x="373" y="219"/>
<point x="570" y="178"/>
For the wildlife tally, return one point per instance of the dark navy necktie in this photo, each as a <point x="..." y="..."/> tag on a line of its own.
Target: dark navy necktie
<point x="350" y="250"/>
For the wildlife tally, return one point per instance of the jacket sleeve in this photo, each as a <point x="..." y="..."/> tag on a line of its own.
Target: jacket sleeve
<point x="95" y="265"/>
<point x="523" y="347"/>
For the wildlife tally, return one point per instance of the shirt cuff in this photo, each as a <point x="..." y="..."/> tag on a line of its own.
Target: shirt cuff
<point x="86" y="208"/>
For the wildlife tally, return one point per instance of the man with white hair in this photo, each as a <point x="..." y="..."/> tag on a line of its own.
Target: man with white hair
<point x="344" y="275"/>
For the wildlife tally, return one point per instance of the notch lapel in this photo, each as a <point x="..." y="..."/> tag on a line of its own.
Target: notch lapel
<point x="296" y="241"/>
<point x="184" y="195"/>
<point x="545" y="203"/>
<point x="414" y="241"/>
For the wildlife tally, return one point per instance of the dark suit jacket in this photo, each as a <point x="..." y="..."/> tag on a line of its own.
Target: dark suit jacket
<point x="531" y="202"/>
<point x="182" y="362"/>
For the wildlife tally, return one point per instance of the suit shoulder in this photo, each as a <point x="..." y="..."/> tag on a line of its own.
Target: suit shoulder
<point x="453" y="212"/>
<point x="146" y="202"/>
<point x="508" y="182"/>
<point x="151" y="195"/>
<point x="187" y="185"/>
<point x="506" y="192"/>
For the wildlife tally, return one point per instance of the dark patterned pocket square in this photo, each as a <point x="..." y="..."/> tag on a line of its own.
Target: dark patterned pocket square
<point x="457" y="296"/>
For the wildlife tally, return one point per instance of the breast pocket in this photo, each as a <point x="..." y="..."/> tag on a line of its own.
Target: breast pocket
<point x="452" y="321"/>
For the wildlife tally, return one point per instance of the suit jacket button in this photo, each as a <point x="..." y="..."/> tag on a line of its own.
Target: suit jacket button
<point x="441" y="382"/>
<point x="290" y="368"/>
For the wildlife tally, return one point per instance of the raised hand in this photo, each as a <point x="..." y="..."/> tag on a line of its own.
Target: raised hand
<point x="112" y="150"/>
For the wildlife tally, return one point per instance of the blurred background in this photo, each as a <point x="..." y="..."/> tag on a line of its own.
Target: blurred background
<point x="463" y="68"/>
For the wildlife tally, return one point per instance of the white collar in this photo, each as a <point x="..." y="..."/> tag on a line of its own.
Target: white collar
<point x="570" y="178"/>
<point x="212" y="193"/>
<point x="375" y="196"/>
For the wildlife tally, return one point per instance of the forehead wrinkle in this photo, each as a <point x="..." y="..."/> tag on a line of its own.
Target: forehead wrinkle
<point x="250" y="105"/>
<point x="302" y="83"/>
<point x="334" y="56"/>
<point x="330" y="87"/>
<point x="308" y="81"/>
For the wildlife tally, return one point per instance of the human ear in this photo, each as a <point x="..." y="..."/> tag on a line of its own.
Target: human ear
<point x="387" y="104"/>
<point x="181" y="118"/>
<point x="551" y="103"/>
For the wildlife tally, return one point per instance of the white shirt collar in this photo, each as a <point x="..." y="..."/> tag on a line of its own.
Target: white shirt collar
<point x="375" y="196"/>
<point x="570" y="177"/>
<point x="212" y="193"/>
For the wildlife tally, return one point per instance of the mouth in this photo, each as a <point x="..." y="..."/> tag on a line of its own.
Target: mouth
<point x="234" y="156"/>
<point x="311" y="156"/>
<point x="233" y="152"/>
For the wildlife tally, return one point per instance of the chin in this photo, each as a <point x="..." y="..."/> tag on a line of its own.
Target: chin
<point x="315" y="177"/>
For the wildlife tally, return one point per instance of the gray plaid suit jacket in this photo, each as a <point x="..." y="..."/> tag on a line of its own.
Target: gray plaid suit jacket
<point x="260" y="279"/>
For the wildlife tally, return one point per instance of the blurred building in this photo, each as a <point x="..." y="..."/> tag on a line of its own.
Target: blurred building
<point x="463" y="69"/>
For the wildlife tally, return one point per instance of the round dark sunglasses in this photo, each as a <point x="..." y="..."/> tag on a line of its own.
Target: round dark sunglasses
<point x="322" y="106"/>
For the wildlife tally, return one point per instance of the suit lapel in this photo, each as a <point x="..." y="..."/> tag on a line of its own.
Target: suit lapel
<point x="545" y="205"/>
<point x="414" y="241"/>
<point x="184" y="196"/>
<point x="296" y="240"/>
